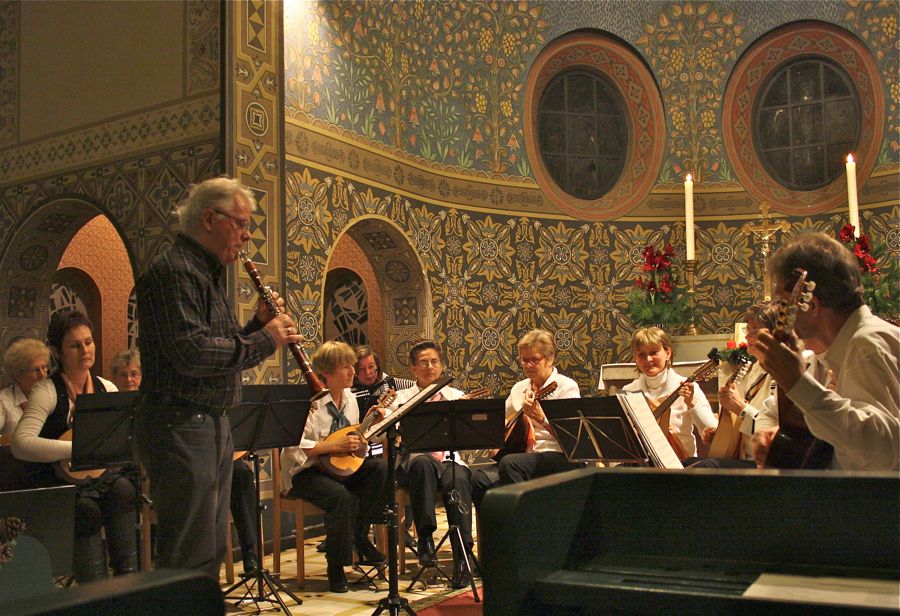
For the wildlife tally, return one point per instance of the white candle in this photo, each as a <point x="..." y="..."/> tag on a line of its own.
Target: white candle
<point x="689" y="216"/>
<point x="851" y="195"/>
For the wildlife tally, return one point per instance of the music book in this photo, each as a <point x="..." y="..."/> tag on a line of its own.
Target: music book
<point x="657" y="447"/>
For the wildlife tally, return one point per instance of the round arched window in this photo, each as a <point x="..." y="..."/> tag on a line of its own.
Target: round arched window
<point x="583" y="132"/>
<point x="806" y="121"/>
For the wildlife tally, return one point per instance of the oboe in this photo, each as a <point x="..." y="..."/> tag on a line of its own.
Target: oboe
<point x="316" y="388"/>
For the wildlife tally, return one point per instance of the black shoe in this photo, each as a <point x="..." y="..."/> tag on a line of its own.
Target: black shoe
<point x="251" y="563"/>
<point x="427" y="557"/>
<point x="461" y="577"/>
<point x="409" y="541"/>
<point x="337" y="581"/>
<point x="321" y="547"/>
<point x="369" y="554"/>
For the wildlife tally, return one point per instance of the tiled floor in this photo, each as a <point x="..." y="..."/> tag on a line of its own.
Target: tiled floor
<point x="362" y="598"/>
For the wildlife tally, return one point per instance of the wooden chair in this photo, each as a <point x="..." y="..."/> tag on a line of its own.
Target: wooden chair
<point x="282" y="501"/>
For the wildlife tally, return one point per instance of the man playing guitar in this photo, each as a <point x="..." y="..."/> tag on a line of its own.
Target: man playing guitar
<point x="859" y="415"/>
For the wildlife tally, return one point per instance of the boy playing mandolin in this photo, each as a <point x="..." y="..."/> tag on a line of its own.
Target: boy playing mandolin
<point x="350" y="503"/>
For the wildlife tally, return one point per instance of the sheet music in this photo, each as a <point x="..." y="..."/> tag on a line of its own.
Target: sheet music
<point x="658" y="448"/>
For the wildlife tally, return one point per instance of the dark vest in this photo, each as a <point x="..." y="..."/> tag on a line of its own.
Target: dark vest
<point x="42" y="474"/>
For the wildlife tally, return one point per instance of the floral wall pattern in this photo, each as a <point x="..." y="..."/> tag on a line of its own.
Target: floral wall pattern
<point x="390" y="129"/>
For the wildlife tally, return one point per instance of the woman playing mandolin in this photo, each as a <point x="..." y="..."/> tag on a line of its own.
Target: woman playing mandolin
<point x="350" y="503"/>
<point x="107" y="501"/>
<point x="539" y="453"/>
<point x="652" y="352"/>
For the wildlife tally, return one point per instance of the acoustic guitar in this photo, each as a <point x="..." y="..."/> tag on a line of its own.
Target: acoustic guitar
<point x="518" y="432"/>
<point x="794" y="446"/>
<point x="342" y="464"/>
<point x="64" y="470"/>
<point x="662" y="410"/>
<point x="726" y="442"/>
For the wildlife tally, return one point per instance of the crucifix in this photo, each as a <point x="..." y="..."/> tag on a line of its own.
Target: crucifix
<point x="763" y="232"/>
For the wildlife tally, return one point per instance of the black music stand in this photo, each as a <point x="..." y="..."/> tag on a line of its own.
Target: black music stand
<point x="393" y="603"/>
<point x="270" y="416"/>
<point x="103" y="430"/>
<point x="453" y="426"/>
<point x="594" y="430"/>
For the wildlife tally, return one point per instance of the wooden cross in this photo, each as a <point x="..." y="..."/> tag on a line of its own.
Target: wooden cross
<point x="763" y="232"/>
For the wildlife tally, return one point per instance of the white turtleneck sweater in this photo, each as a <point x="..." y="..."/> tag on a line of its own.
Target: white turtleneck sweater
<point x="682" y="419"/>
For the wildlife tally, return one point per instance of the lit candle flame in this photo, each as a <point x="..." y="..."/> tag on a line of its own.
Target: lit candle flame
<point x="849" y="158"/>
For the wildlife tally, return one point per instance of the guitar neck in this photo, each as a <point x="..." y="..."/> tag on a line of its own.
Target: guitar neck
<point x="669" y="400"/>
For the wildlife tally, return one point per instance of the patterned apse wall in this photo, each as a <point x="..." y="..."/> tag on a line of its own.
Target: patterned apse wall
<point x="414" y="112"/>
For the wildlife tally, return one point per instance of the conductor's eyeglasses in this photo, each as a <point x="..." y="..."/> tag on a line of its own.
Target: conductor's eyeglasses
<point x="242" y="223"/>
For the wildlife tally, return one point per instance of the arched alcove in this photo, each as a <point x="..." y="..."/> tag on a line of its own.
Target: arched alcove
<point x="46" y="242"/>
<point x="397" y="290"/>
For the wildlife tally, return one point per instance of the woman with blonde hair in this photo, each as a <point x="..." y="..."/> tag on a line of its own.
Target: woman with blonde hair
<point x="652" y="352"/>
<point x="543" y="454"/>
<point x="26" y="361"/>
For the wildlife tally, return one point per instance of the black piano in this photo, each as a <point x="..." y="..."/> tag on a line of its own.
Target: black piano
<point x="648" y="541"/>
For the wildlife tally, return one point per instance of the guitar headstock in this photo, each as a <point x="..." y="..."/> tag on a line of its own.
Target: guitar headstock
<point x="546" y="390"/>
<point x="387" y="398"/>
<point x="740" y="370"/>
<point x="788" y="309"/>
<point x="481" y="392"/>
<point x="707" y="369"/>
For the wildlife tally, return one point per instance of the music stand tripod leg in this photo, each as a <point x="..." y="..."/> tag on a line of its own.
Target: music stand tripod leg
<point x="393" y="603"/>
<point x="266" y="585"/>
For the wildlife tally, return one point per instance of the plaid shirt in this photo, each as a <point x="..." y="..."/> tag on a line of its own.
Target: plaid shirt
<point x="192" y="347"/>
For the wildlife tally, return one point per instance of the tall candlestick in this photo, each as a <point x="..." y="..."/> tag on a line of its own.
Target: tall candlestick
<point x="689" y="216"/>
<point x="851" y="195"/>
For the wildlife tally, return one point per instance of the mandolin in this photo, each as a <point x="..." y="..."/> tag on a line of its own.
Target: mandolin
<point x="726" y="442"/>
<point x="518" y="434"/>
<point x="342" y="464"/>
<point x="794" y="446"/>
<point x="662" y="411"/>
<point x="64" y="470"/>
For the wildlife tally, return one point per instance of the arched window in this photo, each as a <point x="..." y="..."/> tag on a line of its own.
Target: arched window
<point x="806" y="121"/>
<point x="583" y="133"/>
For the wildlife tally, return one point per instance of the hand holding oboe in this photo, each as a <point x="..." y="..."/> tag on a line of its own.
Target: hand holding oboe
<point x="272" y="304"/>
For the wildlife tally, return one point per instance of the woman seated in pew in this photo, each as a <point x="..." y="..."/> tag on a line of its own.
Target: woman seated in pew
<point x="537" y="452"/>
<point x="652" y="352"/>
<point x="108" y="501"/>
<point x="350" y="503"/>
<point x="26" y="361"/>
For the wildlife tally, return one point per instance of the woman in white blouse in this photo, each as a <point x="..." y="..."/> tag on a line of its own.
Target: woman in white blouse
<point x="108" y="501"/>
<point x="27" y="362"/>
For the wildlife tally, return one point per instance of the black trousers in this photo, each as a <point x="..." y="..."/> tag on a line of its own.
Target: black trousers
<point x="188" y="457"/>
<point x="484" y="478"/>
<point x="518" y="467"/>
<point x="423" y="478"/>
<point x="243" y="506"/>
<point x="350" y="505"/>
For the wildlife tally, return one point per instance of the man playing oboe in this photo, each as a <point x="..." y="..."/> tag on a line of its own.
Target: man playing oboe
<point x="193" y="351"/>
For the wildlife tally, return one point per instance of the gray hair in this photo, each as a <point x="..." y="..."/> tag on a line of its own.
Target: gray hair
<point x="216" y="193"/>
<point x="124" y="359"/>
<point x="21" y="353"/>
